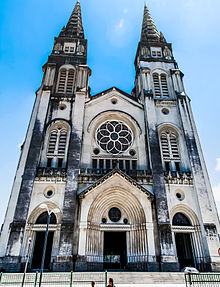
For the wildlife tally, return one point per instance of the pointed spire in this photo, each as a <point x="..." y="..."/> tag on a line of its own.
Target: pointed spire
<point x="162" y="38"/>
<point x="149" y="31"/>
<point x="74" y="27"/>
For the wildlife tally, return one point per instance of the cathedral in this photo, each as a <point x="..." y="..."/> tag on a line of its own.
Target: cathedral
<point x="122" y="175"/>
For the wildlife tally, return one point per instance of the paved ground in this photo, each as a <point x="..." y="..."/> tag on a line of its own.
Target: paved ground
<point x="152" y="285"/>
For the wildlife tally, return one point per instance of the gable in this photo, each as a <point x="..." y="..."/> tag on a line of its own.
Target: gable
<point x="113" y="95"/>
<point x="114" y="179"/>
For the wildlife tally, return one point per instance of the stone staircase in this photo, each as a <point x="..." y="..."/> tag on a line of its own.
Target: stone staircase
<point x="150" y="278"/>
<point x="83" y="279"/>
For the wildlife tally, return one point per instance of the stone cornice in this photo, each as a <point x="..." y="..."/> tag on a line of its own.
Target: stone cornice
<point x="123" y="175"/>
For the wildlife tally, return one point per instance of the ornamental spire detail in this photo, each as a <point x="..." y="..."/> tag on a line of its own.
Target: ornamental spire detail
<point x="74" y="27"/>
<point x="149" y="31"/>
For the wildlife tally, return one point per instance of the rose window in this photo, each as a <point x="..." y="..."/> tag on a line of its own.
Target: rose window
<point x="114" y="137"/>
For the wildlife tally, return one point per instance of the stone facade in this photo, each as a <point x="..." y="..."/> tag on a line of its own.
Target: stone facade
<point x="125" y="171"/>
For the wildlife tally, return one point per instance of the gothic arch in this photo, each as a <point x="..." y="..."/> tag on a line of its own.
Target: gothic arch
<point x="187" y="211"/>
<point x="38" y="211"/>
<point x="120" y="198"/>
<point x="67" y="67"/>
<point x="159" y="71"/>
<point x="54" y="125"/>
<point x="170" y="126"/>
<point x="114" y="114"/>
<point x="66" y="79"/>
<point x="57" y="121"/>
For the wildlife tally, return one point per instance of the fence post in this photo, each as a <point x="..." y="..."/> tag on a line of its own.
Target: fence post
<point x="35" y="281"/>
<point x="190" y="280"/>
<point x="0" y="277"/>
<point x="106" y="278"/>
<point x="71" y="279"/>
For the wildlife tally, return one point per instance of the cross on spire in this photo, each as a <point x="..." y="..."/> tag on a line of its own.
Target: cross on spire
<point x="74" y="27"/>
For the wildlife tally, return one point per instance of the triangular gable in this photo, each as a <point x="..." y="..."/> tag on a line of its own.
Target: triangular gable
<point x="117" y="92"/>
<point x="111" y="174"/>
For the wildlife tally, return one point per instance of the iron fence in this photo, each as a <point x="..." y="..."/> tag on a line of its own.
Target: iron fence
<point x="201" y="280"/>
<point x="64" y="279"/>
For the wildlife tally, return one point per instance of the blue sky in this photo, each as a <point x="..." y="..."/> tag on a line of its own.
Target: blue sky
<point x="112" y="27"/>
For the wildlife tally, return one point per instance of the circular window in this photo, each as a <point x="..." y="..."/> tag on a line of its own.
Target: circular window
<point x="96" y="151"/>
<point x="114" y="214"/>
<point x="165" y="111"/>
<point x="62" y="107"/>
<point x="125" y="221"/>
<point x="104" y="220"/>
<point x="49" y="193"/>
<point x="180" y="195"/>
<point x="114" y="137"/>
<point x="114" y="101"/>
<point x="132" y="152"/>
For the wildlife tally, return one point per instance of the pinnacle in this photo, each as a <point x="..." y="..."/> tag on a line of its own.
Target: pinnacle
<point x="74" y="27"/>
<point x="149" y="31"/>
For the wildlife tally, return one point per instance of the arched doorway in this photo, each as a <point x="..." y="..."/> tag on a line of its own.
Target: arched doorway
<point x="39" y="243"/>
<point x="183" y="241"/>
<point x="116" y="233"/>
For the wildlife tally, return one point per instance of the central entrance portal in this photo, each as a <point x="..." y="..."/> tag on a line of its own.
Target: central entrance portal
<point x="115" y="250"/>
<point x="184" y="250"/>
<point x="38" y="251"/>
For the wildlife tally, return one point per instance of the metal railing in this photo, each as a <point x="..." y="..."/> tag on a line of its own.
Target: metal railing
<point x="64" y="279"/>
<point x="203" y="279"/>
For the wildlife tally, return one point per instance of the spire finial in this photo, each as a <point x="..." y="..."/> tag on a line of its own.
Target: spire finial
<point x="149" y="31"/>
<point x="74" y="27"/>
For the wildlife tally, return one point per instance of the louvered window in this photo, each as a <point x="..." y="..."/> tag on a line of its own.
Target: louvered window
<point x="52" y="142"/>
<point x="62" y="143"/>
<point x="174" y="147"/>
<point x="164" y="87"/>
<point x="62" y="81"/>
<point x="57" y="142"/>
<point x="169" y="146"/>
<point x="66" y="81"/>
<point x="160" y="85"/>
<point x="156" y="84"/>
<point x="165" y="146"/>
<point x="70" y="80"/>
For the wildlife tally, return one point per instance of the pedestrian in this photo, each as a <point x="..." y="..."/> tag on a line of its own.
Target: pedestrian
<point x="110" y="283"/>
<point x="93" y="283"/>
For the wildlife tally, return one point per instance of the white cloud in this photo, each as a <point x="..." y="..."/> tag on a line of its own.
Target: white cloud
<point x="125" y="11"/>
<point x="216" y="191"/>
<point x="218" y="164"/>
<point x="121" y="24"/>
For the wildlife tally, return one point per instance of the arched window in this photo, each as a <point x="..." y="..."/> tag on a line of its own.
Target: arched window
<point x="160" y="85"/>
<point x="170" y="150"/>
<point x="42" y="219"/>
<point x="180" y="219"/>
<point x="81" y="49"/>
<point x="66" y="81"/>
<point x="169" y="145"/>
<point x="56" y="148"/>
<point x="57" y="142"/>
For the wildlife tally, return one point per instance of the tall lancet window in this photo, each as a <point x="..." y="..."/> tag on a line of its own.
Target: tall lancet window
<point x="160" y="85"/>
<point x="57" y="146"/>
<point x="66" y="81"/>
<point x="170" y="150"/>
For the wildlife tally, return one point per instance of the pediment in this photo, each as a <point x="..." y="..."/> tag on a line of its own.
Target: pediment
<point x="115" y="93"/>
<point x="116" y="178"/>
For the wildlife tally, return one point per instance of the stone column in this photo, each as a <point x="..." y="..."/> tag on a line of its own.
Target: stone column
<point x="17" y="227"/>
<point x="207" y="212"/>
<point x="64" y="260"/>
<point x="167" y="254"/>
